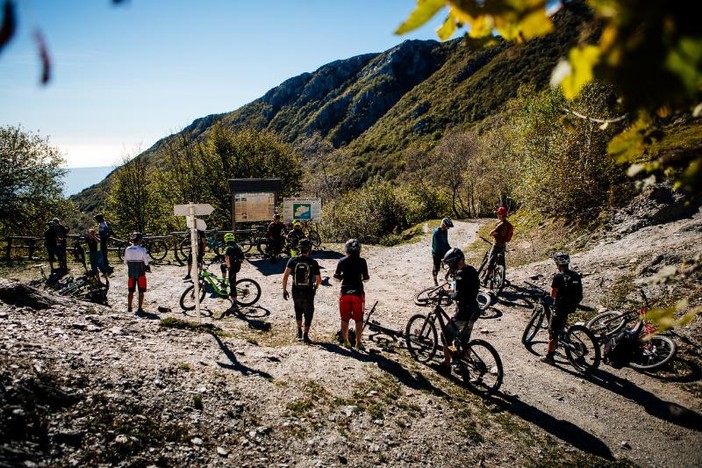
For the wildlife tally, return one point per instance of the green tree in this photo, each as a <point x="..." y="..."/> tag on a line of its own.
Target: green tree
<point x="31" y="190"/>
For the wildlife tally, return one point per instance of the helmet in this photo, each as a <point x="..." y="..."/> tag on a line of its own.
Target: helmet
<point x="453" y="256"/>
<point x="99" y="217"/>
<point x="229" y="237"/>
<point x="305" y="245"/>
<point x="353" y="245"/>
<point x="502" y="211"/>
<point x="137" y="237"/>
<point x="561" y="258"/>
<point x="447" y="222"/>
<point x="297" y="224"/>
<point x="276" y="216"/>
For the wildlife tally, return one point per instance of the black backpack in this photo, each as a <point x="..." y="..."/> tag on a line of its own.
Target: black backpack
<point x="572" y="292"/>
<point x="302" y="277"/>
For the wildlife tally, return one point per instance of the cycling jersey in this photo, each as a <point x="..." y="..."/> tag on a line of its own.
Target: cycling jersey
<point x="466" y="294"/>
<point x="137" y="259"/>
<point x="352" y="271"/>
<point x="439" y="242"/>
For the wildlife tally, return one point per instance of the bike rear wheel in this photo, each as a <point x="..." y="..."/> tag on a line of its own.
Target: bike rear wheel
<point x="606" y="324"/>
<point x="480" y="367"/>
<point x="654" y="353"/>
<point x="484" y="300"/>
<point x="248" y="292"/>
<point x="421" y="338"/>
<point x="582" y="348"/>
<point x="245" y="244"/>
<point x="430" y="295"/>
<point x="187" y="300"/>
<point x="314" y="237"/>
<point x="536" y="323"/>
<point x="158" y="249"/>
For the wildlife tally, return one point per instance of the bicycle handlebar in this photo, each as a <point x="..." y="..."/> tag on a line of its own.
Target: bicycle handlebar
<point x="489" y="242"/>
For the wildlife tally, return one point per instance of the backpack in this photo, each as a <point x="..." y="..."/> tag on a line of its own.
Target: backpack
<point x="302" y="275"/>
<point x="510" y="231"/>
<point x="619" y="348"/>
<point x="572" y="292"/>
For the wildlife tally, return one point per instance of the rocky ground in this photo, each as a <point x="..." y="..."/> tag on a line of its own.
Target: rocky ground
<point x="83" y="384"/>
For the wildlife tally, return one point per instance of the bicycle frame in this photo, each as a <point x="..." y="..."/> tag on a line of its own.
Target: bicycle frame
<point x="219" y="285"/>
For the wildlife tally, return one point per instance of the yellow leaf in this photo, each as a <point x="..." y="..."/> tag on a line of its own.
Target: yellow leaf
<point x="582" y="60"/>
<point x="447" y="29"/>
<point x="535" y="24"/>
<point x="481" y="26"/>
<point x="422" y="13"/>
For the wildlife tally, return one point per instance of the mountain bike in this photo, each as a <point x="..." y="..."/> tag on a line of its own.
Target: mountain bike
<point x="650" y="350"/>
<point x="248" y="291"/>
<point x="215" y="243"/>
<point x="496" y="280"/>
<point x="580" y="344"/>
<point x="311" y="234"/>
<point x="475" y="361"/>
<point x="156" y="247"/>
<point x="55" y="280"/>
<point x="428" y="296"/>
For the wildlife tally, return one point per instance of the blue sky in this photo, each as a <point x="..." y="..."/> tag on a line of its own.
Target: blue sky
<point x="126" y="75"/>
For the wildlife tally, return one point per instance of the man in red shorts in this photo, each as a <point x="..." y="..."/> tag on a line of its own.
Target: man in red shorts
<point x="352" y="270"/>
<point x="137" y="260"/>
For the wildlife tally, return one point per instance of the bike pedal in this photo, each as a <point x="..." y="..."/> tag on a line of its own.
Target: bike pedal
<point x="452" y="348"/>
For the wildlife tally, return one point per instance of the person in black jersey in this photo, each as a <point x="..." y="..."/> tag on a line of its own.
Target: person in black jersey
<point x="305" y="281"/>
<point x="233" y="258"/>
<point x="352" y="270"/>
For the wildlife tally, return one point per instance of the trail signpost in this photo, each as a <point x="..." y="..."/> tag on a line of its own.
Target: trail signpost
<point x="190" y="211"/>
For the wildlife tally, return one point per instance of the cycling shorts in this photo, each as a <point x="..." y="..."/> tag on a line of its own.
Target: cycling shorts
<point x="557" y="324"/>
<point x="351" y="307"/>
<point x="133" y="283"/>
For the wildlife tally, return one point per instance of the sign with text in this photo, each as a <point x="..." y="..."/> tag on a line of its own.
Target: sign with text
<point x="253" y="206"/>
<point x="199" y="209"/>
<point x="303" y="209"/>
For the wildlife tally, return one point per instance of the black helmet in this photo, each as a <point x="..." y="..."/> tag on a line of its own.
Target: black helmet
<point x="353" y="245"/>
<point x="305" y="245"/>
<point x="99" y="218"/>
<point x="452" y="257"/>
<point x="447" y="222"/>
<point x="561" y="258"/>
<point x="137" y="237"/>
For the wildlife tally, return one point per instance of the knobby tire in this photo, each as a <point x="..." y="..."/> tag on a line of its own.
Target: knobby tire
<point x="481" y="368"/>
<point x="582" y="348"/>
<point x="248" y="292"/>
<point x="534" y="325"/>
<point x="654" y="353"/>
<point x="421" y="338"/>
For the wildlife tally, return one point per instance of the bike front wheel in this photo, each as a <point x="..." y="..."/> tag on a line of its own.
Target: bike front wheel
<point x="582" y="348"/>
<point x="248" y="292"/>
<point x="430" y="295"/>
<point x="606" y="324"/>
<point x="421" y="338"/>
<point x="653" y="353"/>
<point x="536" y="323"/>
<point x="480" y="367"/>
<point x="314" y="237"/>
<point x="158" y="249"/>
<point x="187" y="300"/>
<point x="245" y="244"/>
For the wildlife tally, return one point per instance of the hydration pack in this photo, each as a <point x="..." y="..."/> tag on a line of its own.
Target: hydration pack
<point x="302" y="277"/>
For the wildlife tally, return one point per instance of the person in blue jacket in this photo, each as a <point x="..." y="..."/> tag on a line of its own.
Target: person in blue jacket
<point x="440" y="245"/>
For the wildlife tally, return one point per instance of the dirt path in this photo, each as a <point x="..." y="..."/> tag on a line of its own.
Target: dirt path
<point x="266" y="399"/>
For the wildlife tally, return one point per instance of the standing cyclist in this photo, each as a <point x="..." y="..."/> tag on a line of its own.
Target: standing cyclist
<point x="306" y="278"/>
<point x="567" y="291"/>
<point x="501" y="235"/>
<point x="466" y="297"/>
<point x="294" y="237"/>
<point x="440" y="245"/>
<point x="352" y="270"/>
<point x="274" y="233"/>
<point x="233" y="258"/>
<point x="137" y="260"/>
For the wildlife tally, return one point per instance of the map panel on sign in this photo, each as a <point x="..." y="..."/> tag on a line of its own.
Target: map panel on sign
<point x="253" y="206"/>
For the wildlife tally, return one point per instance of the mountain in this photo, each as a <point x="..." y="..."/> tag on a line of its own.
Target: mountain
<point x="377" y="105"/>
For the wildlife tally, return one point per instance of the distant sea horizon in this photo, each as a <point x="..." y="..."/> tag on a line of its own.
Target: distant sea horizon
<point x="80" y="178"/>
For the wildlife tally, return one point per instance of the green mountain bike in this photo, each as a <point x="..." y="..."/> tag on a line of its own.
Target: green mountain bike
<point x="248" y="291"/>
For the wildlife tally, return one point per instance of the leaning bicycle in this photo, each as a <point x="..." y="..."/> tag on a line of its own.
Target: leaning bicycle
<point x="648" y="350"/>
<point x="475" y="361"/>
<point x="248" y="291"/>
<point x="580" y="344"/>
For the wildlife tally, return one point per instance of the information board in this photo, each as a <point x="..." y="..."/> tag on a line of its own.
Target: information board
<point x="253" y="206"/>
<point x="303" y="209"/>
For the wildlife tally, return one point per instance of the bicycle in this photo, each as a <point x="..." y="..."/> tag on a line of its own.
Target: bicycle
<point x="156" y="247"/>
<point x="476" y="362"/>
<point x="55" y="280"/>
<point x="248" y="291"/>
<point x="580" y="344"/>
<point x="651" y="350"/>
<point x="496" y="280"/>
<point x="311" y="234"/>
<point x="428" y="295"/>
<point x="215" y="243"/>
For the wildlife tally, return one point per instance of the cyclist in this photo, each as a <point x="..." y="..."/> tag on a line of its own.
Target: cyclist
<point x="567" y="292"/>
<point x="306" y="278"/>
<point x="97" y="259"/>
<point x="104" y="232"/>
<point x="465" y="295"/>
<point x="501" y="235"/>
<point x="55" y="239"/>
<point x="440" y="245"/>
<point x="274" y="233"/>
<point x="137" y="260"/>
<point x="294" y="237"/>
<point x="201" y="245"/>
<point x="352" y="270"/>
<point x="233" y="258"/>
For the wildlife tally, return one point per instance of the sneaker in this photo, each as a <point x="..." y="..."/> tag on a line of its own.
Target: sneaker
<point x="298" y="335"/>
<point x="548" y="359"/>
<point x="129" y="308"/>
<point x="360" y="347"/>
<point x="186" y="277"/>
<point x="306" y="340"/>
<point x="347" y="345"/>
